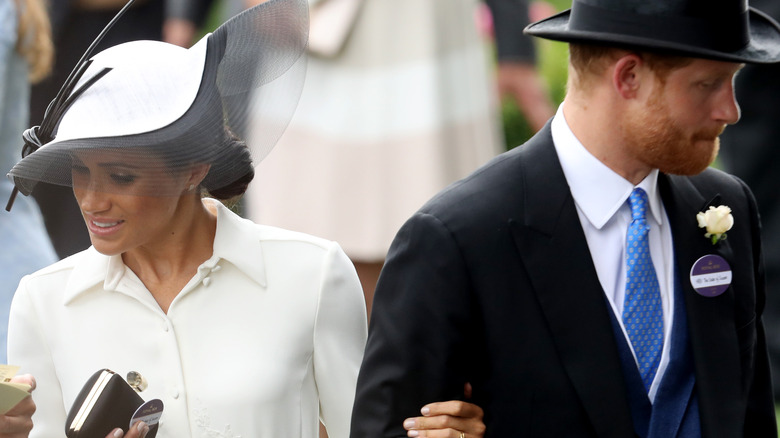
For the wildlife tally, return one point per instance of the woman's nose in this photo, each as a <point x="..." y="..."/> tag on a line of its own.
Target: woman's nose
<point x="91" y="198"/>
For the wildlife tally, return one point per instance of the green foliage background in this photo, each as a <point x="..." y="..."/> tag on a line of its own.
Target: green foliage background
<point x="552" y="60"/>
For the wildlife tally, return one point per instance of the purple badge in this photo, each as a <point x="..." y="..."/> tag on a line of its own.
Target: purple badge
<point x="150" y="413"/>
<point x="711" y="275"/>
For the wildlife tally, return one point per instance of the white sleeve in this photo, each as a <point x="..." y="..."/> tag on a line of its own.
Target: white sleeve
<point x="339" y="340"/>
<point x="29" y="349"/>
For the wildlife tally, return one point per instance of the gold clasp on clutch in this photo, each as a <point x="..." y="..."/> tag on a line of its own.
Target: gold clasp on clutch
<point x="136" y="381"/>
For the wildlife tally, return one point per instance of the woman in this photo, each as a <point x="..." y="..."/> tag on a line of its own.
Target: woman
<point x="74" y="25"/>
<point x="240" y="329"/>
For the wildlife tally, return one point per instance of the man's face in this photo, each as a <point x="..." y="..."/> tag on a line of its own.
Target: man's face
<point x="676" y="127"/>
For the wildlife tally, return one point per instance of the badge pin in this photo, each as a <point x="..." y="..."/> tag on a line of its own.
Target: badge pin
<point x="150" y="413"/>
<point x="711" y="275"/>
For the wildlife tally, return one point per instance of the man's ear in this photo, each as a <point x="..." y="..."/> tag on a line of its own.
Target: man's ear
<point x="627" y="75"/>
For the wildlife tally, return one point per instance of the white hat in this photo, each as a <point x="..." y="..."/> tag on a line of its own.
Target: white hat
<point x="174" y="107"/>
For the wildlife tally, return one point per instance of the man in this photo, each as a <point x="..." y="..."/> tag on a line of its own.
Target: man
<point x="569" y="281"/>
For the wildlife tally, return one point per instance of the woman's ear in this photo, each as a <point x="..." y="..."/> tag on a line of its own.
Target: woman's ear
<point x="197" y="175"/>
<point x="627" y="75"/>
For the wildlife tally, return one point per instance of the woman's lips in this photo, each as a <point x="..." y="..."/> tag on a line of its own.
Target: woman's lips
<point x="103" y="227"/>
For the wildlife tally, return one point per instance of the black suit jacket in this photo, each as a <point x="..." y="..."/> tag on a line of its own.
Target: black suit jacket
<point x="750" y="152"/>
<point x="492" y="283"/>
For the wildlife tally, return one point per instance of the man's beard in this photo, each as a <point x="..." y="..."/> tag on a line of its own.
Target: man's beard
<point x="658" y="141"/>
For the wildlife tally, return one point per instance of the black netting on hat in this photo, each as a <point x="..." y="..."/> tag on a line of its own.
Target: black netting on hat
<point x="156" y="111"/>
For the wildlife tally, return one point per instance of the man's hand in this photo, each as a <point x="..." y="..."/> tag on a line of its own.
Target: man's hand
<point x="17" y="423"/>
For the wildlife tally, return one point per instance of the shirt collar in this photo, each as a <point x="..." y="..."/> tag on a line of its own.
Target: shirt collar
<point x="89" y="268"/>
<point x="597" y="190"/>
<point x="236" y="241"/>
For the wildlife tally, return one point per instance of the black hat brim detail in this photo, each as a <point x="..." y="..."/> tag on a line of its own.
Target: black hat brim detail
<point x="762" y="46"/>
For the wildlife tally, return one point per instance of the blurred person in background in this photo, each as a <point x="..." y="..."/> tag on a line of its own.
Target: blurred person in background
<point x="25" y="56"/>
<point x="750" y="152"/>
<point x="399" y="101"/>
<point x="74" y="26"/>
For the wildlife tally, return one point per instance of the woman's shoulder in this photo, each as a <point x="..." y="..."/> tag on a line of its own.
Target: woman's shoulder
<point x="270" y="233"/>
<point x="231" y="226"/>
<point x="89" y="255"/>
<point x="275" y="242"/>
<point x="56" y="276"/>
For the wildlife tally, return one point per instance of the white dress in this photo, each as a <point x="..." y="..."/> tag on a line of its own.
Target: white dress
<point x="407" y="108"/>
<point x="267" y="337"/>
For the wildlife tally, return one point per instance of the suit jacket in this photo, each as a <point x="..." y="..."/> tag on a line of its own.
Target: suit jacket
<point x="750" y="152"/>
<point x="492" y="283"/>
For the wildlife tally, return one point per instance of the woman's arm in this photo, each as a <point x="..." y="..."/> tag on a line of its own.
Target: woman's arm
<point x="29" y="349"/>
<point x="339" y="341"/>
<point x="454" y="418"/>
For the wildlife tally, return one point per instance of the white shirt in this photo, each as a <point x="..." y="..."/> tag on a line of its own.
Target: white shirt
<point x="601" y="197"/>
<point x="265" y="338"/>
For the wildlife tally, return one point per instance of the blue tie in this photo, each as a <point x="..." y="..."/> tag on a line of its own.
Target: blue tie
<point x="642" y="313"/>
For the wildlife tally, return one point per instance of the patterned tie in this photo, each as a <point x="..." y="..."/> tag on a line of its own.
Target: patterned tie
<point x="642" y="314"/>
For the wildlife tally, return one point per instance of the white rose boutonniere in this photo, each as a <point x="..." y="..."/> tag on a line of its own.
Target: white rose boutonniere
<point x="717" y="220"/>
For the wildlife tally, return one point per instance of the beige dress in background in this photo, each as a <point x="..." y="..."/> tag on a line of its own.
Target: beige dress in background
<point x="407" y="108"/>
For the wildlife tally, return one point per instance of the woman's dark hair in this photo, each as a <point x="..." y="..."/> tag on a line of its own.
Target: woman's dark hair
<point x="234" y="160"/>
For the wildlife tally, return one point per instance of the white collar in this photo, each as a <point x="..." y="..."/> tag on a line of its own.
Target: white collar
<point x="237" y="241"/>
<point x="597" y="190"/>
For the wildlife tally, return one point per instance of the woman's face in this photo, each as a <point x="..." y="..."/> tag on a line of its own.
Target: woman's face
<point x="127" y="202"/>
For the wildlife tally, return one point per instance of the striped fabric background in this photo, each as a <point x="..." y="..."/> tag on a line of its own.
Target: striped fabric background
<point x="406" y="109"/>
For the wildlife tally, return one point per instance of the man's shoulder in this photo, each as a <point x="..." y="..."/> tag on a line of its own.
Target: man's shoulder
<point x="713" y="182"/>
<point x="492" y="186"/>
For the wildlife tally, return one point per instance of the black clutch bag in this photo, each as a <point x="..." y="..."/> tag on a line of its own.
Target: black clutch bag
<point x="107" y="402"/>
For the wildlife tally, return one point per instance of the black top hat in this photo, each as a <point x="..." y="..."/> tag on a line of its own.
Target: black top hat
<point x="725" y="30"/>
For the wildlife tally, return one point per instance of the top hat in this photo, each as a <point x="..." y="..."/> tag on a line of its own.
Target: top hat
<point x="724" y="30"/>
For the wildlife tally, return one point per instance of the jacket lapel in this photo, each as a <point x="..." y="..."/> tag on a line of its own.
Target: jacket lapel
<point x="553" y="249"/>
<point x="710" y="320"/>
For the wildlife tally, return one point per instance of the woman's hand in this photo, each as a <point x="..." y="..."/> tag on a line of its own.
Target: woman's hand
<point x="450" y="419"/>
<point x="139" y="430"/>
<point x="17" y="423"/>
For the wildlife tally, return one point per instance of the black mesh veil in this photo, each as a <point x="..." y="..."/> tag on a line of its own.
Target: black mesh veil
<point x="151" y="109"/>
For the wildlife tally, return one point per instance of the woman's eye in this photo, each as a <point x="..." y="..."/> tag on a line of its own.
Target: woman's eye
<point x="82" y="170"/>
<point x="123" y="178"/>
